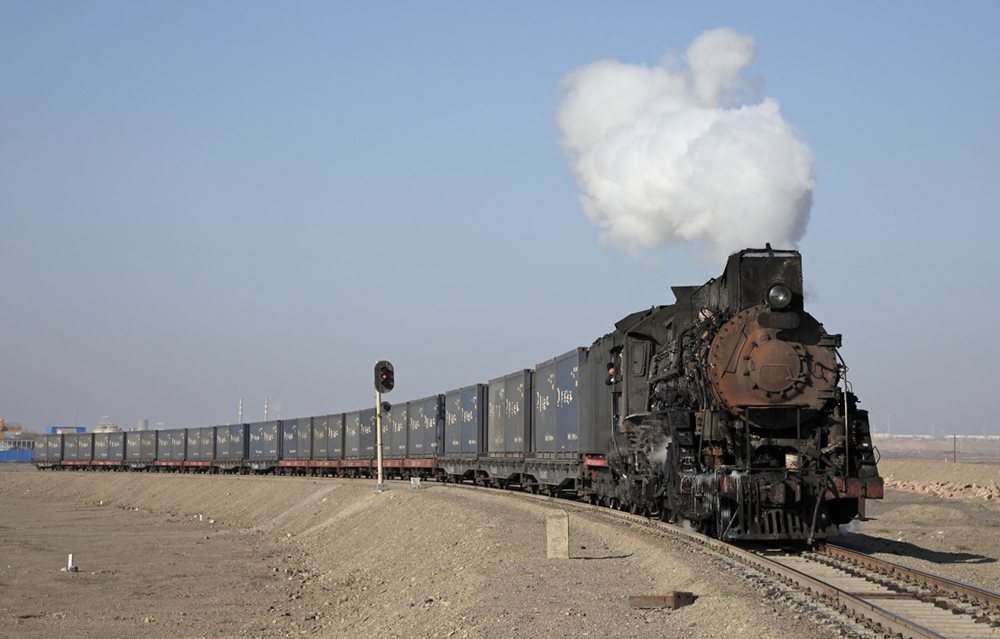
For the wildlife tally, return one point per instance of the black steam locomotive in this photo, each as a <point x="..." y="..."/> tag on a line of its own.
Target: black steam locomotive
<point x="727" y="409"/>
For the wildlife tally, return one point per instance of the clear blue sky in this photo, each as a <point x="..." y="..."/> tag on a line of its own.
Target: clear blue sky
<point x="206" y="201"/>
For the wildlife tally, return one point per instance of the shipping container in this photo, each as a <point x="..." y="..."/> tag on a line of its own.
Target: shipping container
<point x="222" y="442"/>
<point x="289" y="429"/>
<point x="509" y="426"/>
<point x="426" y="431"/>
<point x="71" y="447"/>
<point x="132" y="446"/>
<point x="415" y="434"/>
<point x="48" y="448"/>
<point x="231" y="443"/>
<point x="320" y="437"/>
<point x="352" y="435"/>
<point x="305" y="438"/>
<point x="163" y="449"/>
<point x="368" y="433"/>
<point x="85" y="443"/>
<point x="296" y="436"/>
<point x="55" y="447"/>
<point x="179" y="442"/>
<point x="474" y="403"/>
<point x="264" y="441"/>
<point x="171" y="445"/>
<point x="395" y="427"/>
<point x="556" y="406"/>
<point x="41" y="448"/>
<point x="207" y="443"/>
<point x="101" y="447"/>
<point x="193" y="445"/>
<point x="116" y="447"/>
<point x="148" y="443"/>
<point x="596" y="399"/>
<point x="335" y="436"/>
<point x="433" y="424"/>
<point x="453" y="422"/>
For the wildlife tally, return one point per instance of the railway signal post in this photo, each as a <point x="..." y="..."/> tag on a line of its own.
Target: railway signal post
<point x="385" y="380"/>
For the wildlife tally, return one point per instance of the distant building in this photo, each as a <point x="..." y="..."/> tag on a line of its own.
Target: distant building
<point x="58" y="430"/>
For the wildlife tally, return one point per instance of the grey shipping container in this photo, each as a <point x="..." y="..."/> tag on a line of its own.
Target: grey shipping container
<point x="231" y="443"/>
<point x="320" y="437"/>
<point x="148" y="442"/>
<point x="133" y="446"/>
<point x="48" y="448"/>
<point x="207" y="435"/>
<point x="352" y="435"/>
<point x="296" y="436"/>
<point x="193" y="445"/>
<point x="415" y="435"/>
<point x="596" y="399"/>
<point x="55" y="447"/>
<point x="426" y="418"/>
<point x="509" y="426"/>
<point x="465" y="419"/>
<point x="394" y="428"/>
<point x="335" y="438"/>
<point x="305" y="437"/>
<point x="41" y="448"/>
<point x="368" y="433"/>
<point x="222" y="442"/>
<point x="289" y="429"/>
<point x="264" y="441"/>
<point x="101" y="447"/>
<point x="556" y="405"/>
<point x="85" y="444"/>
<point x="71" y="447"/>
<point x="452" y="422"/>
<point x="109" y="447"/>
<point x="171" y="445"/>
<point x="434" y="424"/>
<point x="163" y="448"/>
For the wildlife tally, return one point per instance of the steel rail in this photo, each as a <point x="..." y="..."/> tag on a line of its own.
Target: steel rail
<point x="966" y="591"/>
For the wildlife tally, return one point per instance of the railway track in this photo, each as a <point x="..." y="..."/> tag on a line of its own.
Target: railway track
<point x="887" y="598"/>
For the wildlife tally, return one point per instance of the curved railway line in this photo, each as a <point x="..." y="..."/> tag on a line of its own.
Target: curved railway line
<point x="887" y="598"/>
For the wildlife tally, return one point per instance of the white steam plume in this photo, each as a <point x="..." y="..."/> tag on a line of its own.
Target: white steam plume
<point x="674" y="153"/>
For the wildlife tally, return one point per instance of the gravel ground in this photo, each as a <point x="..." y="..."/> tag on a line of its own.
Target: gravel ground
<point x="220" y="556"/>
<point x="211" y="556"/>
<point x="938" y="517"/>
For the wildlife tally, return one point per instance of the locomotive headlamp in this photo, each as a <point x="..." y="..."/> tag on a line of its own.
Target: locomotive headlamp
<point x="779" y="297"/>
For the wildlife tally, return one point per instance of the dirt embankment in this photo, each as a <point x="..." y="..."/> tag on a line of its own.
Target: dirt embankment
<point x="213" y="556"/>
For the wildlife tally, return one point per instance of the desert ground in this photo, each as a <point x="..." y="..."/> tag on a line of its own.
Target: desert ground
<point x="248" y="556"/>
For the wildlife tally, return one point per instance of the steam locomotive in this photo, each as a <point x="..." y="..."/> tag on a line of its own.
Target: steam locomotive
<point x="728" y="409"/>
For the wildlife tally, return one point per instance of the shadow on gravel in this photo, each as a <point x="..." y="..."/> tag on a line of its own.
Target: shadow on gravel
<point x="608" y="557"/>
<point x="872" y="545"/>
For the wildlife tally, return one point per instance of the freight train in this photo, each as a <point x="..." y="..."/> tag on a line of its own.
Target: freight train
<point x="728" y="409"/>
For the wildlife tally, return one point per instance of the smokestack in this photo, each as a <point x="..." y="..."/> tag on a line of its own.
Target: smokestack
<point x="682" y="153"/>
<point x="143" y="425"/>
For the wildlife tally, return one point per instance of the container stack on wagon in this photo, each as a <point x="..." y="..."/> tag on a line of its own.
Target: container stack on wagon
<point x="502" y="432"/>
